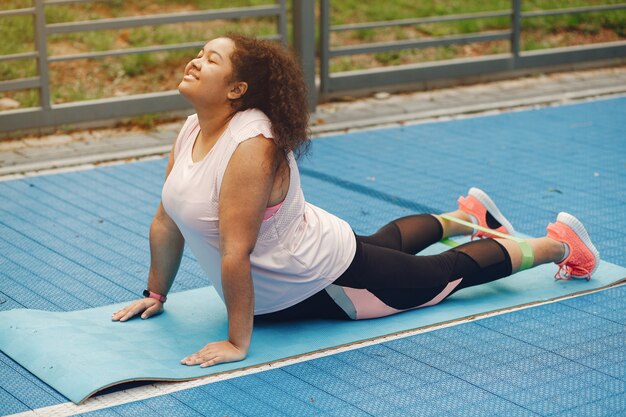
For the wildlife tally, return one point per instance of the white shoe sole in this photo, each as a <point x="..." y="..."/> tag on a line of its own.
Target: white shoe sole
<point x="491" y="207"/>
<point x="582" y="234"/>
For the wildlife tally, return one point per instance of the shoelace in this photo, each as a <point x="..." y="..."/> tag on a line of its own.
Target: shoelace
<point x="567" y="275"/>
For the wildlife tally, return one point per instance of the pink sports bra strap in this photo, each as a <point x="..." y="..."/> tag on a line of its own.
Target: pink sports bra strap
<point x="270" y="211"/>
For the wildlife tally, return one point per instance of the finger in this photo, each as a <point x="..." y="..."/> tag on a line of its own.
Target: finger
<point x="192" y="360"/>
<point x="151" y="311"/>
<point x="132" y="312"/>
<point x="211" y="362"/>
<point x="118" y="314"/>
<point x="115" y="313"/>
<point x="187" y="360"/>
<point x="197" y="358"/>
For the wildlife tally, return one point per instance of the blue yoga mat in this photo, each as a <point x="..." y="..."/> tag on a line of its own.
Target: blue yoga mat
<point x="81" y="352"/>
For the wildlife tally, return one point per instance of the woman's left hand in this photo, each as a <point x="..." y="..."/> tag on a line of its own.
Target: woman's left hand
<point x="214" y="353"/>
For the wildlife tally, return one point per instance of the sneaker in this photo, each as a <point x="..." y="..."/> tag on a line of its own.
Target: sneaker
<point x="583" y="257"/>
<point x="484" y="212"/>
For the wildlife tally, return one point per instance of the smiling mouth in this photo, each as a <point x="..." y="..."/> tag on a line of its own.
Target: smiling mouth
<point x="191" y="76"/>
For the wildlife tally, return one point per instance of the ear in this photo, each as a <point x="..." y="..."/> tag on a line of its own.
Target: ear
<point x="237" y="90"/>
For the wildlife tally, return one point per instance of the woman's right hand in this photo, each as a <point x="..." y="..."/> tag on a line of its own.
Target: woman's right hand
<point x="147" y="307"/>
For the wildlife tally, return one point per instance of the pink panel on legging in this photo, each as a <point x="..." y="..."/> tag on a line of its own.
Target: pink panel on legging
<point x="368" y="306"/>
<point x="443" y="294"/>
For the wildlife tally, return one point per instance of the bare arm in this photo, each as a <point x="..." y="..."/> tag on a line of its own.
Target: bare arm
<point x="244" y="194"/>
<point x="166" y="250"/>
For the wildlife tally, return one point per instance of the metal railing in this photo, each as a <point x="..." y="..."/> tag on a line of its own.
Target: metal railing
<point x="50" y="114"/>
<point x="515" y="60"/>
<point x="313" y="57"/>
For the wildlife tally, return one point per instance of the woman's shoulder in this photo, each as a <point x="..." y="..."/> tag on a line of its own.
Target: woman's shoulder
<point x="250" y="123"/>
<point x="191" y="121"/>
<point x="251" y="115"/>
<point x="185" y="133"/>
<point x="188" y="126"/>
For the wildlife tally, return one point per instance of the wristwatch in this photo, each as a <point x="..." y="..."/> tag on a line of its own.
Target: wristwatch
<point x="150" y="294"/>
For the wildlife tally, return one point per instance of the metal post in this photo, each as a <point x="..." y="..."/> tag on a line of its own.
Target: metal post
<point x="42" y="55"/>
<point x="304" y="44"/>
<point x="516" y="29"/>
<point x="282" y="22"/>
<point x="324" y="45"/>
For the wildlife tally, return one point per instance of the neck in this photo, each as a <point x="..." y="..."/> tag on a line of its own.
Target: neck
<point x="212" y="121"/>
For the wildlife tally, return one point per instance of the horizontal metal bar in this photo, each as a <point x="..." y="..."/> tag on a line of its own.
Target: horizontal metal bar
<point x="17" y="12"/>
<point x="58" y="2"/>
<point x="572" y="54"/>
<point x="574" y="10"/>
<point x="420" y="20"/>
<point x="128" y="51"/>
<point x="23" y="55"/>
<point x="458" y="68"/>
<point x="83" y="111"/>
<point x="162" y="19"/>
<point x="470" y="16"/>
<point x="412" y="73"/>
<point x="19" y="84"/>
<point x="142" y="50"/>
<point x="420" y="43"/>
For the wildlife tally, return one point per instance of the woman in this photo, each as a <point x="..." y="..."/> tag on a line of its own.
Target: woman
<point x="232" y="193"/>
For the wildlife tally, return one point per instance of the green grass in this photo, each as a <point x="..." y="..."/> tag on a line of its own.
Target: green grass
<point x="22" y="68"/>
<point x="130" y="74"/>
<point x="17" y="34"/>
<point x="538" y="33"/>
<point x="134" y="65"/>
<point x="15" y="4"/>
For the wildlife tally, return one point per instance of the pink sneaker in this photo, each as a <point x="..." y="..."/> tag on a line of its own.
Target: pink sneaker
<point x="583" y="257"/>
<point x="485" y="213"/>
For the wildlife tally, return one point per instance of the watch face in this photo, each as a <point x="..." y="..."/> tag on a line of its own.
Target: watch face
<point x="146" y="293"/>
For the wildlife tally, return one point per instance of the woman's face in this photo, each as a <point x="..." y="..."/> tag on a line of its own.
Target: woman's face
<point x="207" y="78"/>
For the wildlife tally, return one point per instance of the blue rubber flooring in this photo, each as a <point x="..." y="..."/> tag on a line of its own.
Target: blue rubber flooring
<point x="78" y="240"/>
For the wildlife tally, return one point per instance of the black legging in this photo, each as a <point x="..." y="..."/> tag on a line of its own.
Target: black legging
<point x="385" y="264"/>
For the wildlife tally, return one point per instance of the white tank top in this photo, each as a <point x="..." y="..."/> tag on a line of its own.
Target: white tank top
<point x="300" y="250"/>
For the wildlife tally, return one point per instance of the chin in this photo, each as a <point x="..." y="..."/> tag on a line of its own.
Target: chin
<point x="187" y="93"/>
<point x="182" y="87"/>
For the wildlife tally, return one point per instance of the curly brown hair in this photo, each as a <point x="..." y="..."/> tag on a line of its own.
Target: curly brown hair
<point x="275" y="86"/>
